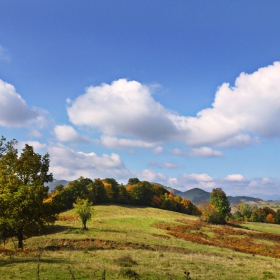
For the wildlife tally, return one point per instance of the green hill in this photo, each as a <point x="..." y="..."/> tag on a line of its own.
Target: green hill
<point x="125" y="242"/>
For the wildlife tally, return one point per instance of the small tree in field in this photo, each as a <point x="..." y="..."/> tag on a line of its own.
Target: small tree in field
<point x="219" y="199"/>
<point x="84" y="210"/>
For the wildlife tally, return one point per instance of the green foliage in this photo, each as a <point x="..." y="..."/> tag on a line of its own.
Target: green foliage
<point x="209" y="213"/>
<point x="97" y="192"/>
<point x="64" y="199"/>
<point x="84" y="210"/>
<point x="141" y="194"/>
<point x="219" y="199"/>
<point x="133" y="181"/>
<point x="24" y="210"/>
<point x="277" y="217"/>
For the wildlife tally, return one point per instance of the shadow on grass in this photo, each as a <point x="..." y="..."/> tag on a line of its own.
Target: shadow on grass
<point x="34" y="260"/>
<point x="235" y="224"/>
<point x="58" y="229"/>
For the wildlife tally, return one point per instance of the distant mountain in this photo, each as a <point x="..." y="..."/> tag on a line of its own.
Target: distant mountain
<point x="244" y="199"/>
<point x="55" y="183"/>
<point x="196" y="195"/>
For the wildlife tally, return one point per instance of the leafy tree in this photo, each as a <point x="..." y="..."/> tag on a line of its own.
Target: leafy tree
<point x="219" y="199"/>
<point x="24" y="211"/>
<point x="270" y="218"/>
<point x="141" y="193"/>
<point x="111" y="187"/>
<point x="258" y="215"/>
<point x="245" y="210"/>
<point x="133" y="181"/>
<point x="277" y="217"/>
<point x="65" y="198"/>
<point x="59" y="188"/>
<point x="209" y="213"/>
<point x="122" y="194"/>
<point x="97" y="192"/>
<point x="84" y="210"/>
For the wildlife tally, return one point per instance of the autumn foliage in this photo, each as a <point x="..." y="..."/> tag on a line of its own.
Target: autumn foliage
<point x="108" y="190"/>
<point x="227" y="236"/>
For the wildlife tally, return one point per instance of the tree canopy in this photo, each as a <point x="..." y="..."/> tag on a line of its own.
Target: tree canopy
<point x="219" y="199"/>
<point x="24" y="210"/>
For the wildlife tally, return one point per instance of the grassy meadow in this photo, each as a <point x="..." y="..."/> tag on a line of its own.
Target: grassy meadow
<point x="126" y="242"/>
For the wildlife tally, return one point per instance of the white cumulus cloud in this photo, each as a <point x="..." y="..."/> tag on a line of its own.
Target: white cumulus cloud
<point x="14" y="112"/>
<point x="235" y="177"/>
<point x="240" y="115"/>
<point x="35" y="144"/>
<point x="158" y="150"/>
<point x="205" y="152"/>
<point x="251" y="107"/>
<point x="122" y="108"/>
<point x="69" y="164"/>
<point x="122" y="143"/>
<point x="67" y="133"/>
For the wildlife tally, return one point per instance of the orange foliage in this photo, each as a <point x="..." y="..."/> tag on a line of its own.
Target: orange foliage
<point x="156" y="201"/>
<point x="270" y="218"/>
<point x="225" y="237"/>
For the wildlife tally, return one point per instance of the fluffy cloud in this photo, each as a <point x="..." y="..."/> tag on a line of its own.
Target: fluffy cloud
<point x="235" y="178"/>
<point x="152" y="176"/>
<point x="198" y="152"/>
<point x="170" y="165"/>
<point x="158" y="150"/>
<point x="35" y="144"/>
<point x="14" y="111"/>
<point x="67" y="133"/>
<point x="233" y="184"/>
<point x="69" y="164"/>
<point x="189" y="181"/>
<point x="122" y="108"/>
<point x="239" y="116"/>
<point x="205" y="152"/>
<point x="121" y="143"/>
<point x="251" y="107"/>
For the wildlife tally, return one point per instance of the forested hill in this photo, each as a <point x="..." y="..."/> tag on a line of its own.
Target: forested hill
<point x="196" y="195"/>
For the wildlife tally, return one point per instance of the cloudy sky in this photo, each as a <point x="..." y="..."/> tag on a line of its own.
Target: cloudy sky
<point x="183" y="93"/>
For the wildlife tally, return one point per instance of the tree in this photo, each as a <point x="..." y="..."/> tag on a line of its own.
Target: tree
<point x="219" y="199"/>
<point x="245" y="210"/>
<point x="24" y="211"/>
<point x="133" y="181"/>
<point x="84" y="210"/>
<point x="277" y="217"/>
<point x="209" y="213"/>
<point x="97" y="193"/>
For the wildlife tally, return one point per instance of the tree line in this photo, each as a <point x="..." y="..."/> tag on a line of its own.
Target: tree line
<point x="247" y="213"/>
<point x="108" y="190"/>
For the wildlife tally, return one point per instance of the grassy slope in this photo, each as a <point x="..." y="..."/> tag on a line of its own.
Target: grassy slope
<point x="131" y="226"/>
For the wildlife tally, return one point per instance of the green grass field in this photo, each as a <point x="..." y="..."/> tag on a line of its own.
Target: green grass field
<point x="123" y="243"/>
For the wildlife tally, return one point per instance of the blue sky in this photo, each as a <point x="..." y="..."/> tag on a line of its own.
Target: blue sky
<point x="183" y="93"/>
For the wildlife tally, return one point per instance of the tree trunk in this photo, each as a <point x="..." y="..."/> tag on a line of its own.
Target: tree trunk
<point x="84" y="224"/>
<point x="20" y="239"/>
